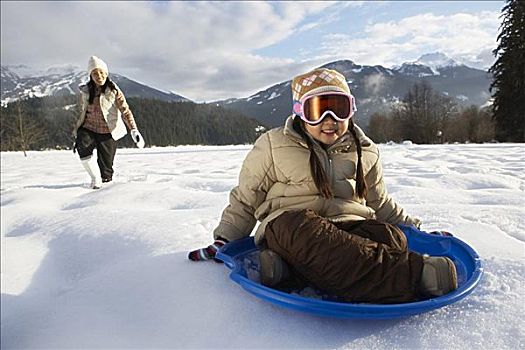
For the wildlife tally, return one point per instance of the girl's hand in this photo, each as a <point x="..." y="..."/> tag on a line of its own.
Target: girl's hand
<point x="413" y="221"/>
<point x="208" y="252"/>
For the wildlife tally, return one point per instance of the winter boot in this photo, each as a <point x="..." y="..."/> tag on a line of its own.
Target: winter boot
<point x="439" y="276"/>
<point x="272" y="268"/>
<point x="92" y="170"/>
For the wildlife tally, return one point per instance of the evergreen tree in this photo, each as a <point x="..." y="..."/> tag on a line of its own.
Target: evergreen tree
<point x="508" y="86"/>
<point x="161" y="123"/>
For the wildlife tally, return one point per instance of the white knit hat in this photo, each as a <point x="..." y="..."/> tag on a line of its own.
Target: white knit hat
<point x="95" y="62"/>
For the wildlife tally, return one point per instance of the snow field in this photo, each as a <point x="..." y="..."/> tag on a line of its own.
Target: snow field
<point x="108" y="269"/>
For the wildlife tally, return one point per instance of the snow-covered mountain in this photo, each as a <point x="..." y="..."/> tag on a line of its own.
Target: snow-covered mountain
<point x="437" y="60"/>
<point x="21" y="81"/>
<point x="377" y="88"/>
<point x="427" y="65"/>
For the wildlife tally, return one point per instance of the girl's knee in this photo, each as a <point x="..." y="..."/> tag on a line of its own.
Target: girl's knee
<point x="381" y="232"/>
<point x="397" y="238"/>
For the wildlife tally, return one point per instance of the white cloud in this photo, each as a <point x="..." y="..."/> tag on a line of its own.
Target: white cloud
<point x="465" y="36"/>
<point x="208" y="50"/>
<point x="202" y="50"/>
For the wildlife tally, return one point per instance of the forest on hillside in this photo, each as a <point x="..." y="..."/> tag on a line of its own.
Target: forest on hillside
<point x="48" y="122"/>
<point x="425" y="116"/>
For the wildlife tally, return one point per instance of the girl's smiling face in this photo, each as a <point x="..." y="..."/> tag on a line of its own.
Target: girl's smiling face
<point x="99" y="76"/>
<point x="327" y="131"/>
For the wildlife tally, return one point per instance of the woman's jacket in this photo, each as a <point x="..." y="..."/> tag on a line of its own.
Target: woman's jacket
<point x="110" y="109"/>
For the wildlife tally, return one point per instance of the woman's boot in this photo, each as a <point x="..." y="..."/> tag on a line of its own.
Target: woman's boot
<point x="93" y="171"/>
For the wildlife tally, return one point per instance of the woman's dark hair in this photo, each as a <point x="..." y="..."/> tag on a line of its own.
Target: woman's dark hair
<point x="321" y="181"/>
<point x="92" y="88"/>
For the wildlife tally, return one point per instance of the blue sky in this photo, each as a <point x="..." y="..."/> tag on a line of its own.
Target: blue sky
<point x="353" y="18"/>
<point x="215" y="50"/>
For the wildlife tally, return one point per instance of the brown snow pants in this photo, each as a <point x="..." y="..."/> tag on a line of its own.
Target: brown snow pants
<point x="357" y="261"/>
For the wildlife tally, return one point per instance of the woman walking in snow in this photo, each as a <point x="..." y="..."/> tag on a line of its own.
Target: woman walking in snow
<point x="103" y="119"/>
<point x="317" y="187"/>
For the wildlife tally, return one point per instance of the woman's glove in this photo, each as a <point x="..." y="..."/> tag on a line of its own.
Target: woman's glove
<point x="137" y="138"/>
<point x="208" y="252"/>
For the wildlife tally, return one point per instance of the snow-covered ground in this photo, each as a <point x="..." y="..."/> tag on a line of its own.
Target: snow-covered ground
<point x="107" y="268"/>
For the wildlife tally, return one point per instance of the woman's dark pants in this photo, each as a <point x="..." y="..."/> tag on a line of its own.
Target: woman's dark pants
<point x="106" y="147"/>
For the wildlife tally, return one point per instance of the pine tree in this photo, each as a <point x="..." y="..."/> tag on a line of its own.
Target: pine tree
<point x="508" y="86"/>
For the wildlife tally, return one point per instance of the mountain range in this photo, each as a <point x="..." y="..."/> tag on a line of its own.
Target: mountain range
<point x="23" y="82"/>
<point x="376" y="88"/>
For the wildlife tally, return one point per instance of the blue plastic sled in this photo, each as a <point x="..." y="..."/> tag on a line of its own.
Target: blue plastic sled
<point x="242" y="257"/>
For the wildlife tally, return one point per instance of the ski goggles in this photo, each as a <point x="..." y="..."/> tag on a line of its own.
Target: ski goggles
<point x="313" y="109"/>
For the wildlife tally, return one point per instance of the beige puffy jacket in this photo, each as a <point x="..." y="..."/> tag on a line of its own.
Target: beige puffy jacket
<point x="110" y="110"/>
<point x="275" y="177"/>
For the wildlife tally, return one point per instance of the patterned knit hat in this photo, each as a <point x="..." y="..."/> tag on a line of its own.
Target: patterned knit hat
<point x="317" y="81"/>
<point x="95" y="62"/>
